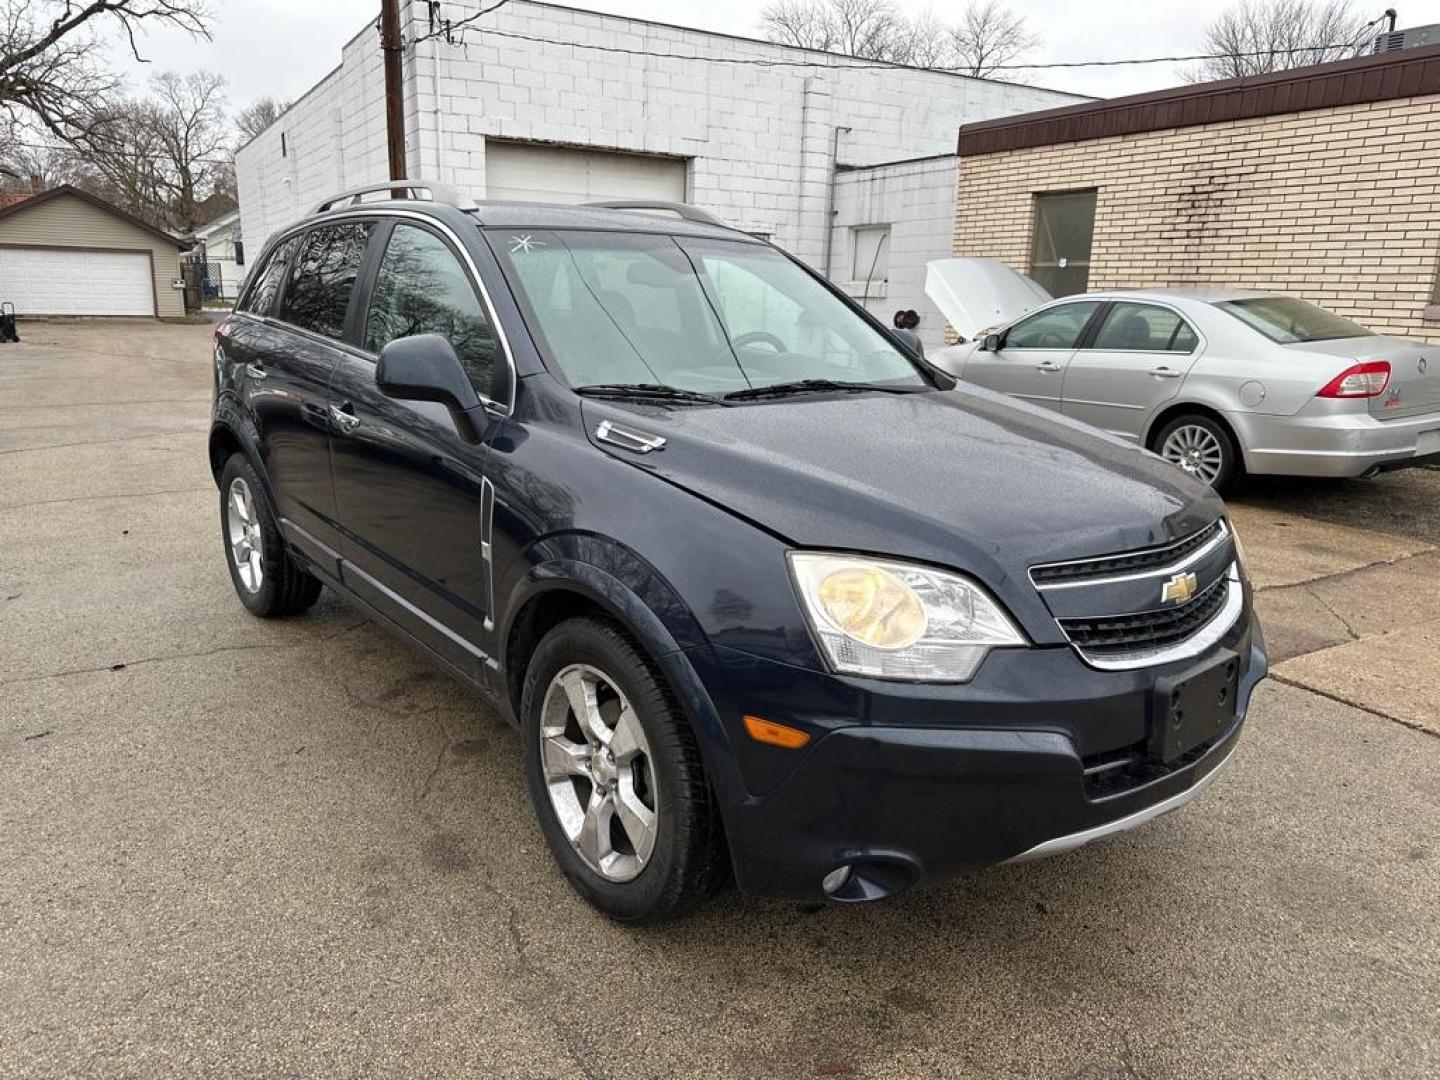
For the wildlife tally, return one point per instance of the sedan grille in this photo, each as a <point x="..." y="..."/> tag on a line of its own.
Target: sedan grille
<point x="1130" y="562"/>
<point x="1146" y="630"/>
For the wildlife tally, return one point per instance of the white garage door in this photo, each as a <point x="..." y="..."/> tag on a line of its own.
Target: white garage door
<point x="57" y="281"/>
<point x="565" y="175"/>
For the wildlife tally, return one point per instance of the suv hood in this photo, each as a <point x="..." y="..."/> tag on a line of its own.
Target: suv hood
<point x="977" y="295"/>
<point x="961" y="478"/>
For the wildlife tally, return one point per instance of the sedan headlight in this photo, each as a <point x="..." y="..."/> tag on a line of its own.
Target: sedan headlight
<point x="893" y="620"/>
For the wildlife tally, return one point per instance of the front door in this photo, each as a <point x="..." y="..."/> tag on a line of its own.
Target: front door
<point x="1130" y="367"/>
<point x="1033" y="354"/>
<point x="411" y="494"/>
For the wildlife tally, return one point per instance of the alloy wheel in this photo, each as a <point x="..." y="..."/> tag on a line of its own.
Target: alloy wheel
<point x="1196" y="450"/>
<point x="242" y="527"/>
<point x="599" y="773"/>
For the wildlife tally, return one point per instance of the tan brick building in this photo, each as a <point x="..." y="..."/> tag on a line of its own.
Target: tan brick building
<point x="1323" y="182"/>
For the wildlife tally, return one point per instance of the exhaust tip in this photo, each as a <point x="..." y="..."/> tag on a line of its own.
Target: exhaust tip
<point x="869" y="879"/>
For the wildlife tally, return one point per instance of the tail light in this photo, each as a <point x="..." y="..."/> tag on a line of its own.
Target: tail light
<point x="1365" y="380"/>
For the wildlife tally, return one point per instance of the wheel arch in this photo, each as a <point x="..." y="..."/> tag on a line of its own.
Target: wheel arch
<point x="1187" y="408"/>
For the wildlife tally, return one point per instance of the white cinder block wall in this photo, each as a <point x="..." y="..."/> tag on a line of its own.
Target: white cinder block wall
<point x="909" y="198"/>
<point x="757" y="139"/>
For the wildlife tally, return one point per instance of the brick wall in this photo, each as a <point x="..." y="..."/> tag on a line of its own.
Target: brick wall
<point x="758" y="138"/>
<point x="1338" y="206"/>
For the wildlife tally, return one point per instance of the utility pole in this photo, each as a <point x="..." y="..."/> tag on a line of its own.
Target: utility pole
<point x="394" y="90"/>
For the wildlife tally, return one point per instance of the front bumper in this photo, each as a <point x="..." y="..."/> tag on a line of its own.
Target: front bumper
<point x="901" y="803"/>
<point x="1336" y="444"/>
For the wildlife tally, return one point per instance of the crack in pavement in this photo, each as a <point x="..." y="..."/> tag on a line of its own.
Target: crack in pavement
<point x="93" y="498"/>
<point x="125" y="665"/>
<point x="1330" y="608"/>
<point x="101" y="442"/>
<point x="1339" y="575"/>
<point x="1285" y="680"/>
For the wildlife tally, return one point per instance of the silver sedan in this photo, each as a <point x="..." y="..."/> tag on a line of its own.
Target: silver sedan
<point x="1217" y="382"/>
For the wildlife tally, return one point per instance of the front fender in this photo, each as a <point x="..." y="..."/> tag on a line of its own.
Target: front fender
<point x="622" y="584"/>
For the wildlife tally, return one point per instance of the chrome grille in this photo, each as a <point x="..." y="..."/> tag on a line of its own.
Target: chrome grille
<point x="1129" y="562"/>
<point x="1108" y="634"/>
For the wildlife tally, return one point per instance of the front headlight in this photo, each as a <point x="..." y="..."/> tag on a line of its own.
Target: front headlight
<point x="893" y="620"/>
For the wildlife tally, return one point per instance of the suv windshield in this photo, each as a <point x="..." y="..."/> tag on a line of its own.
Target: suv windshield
<point x="707" y="316"/>
<point x="1288" y="321"/>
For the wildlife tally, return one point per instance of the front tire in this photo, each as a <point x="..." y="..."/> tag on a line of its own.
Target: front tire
<point x="1201" y="447"/>
<point x="615" y="776"/>
<point x="266" y="579"/>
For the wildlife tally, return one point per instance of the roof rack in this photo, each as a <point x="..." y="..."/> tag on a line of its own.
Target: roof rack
<point x="432" y="192"/>
<point x="684" y="210"/>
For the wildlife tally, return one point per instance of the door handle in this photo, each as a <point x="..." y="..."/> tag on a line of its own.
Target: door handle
<point x="1163" y="372"/>
<point x="1048" y="366"/>
<point x="344" y="416"/>
<point x="255" y="371"/>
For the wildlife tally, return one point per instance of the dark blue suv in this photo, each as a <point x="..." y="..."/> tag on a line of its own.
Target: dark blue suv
<point x="766" y="594"/>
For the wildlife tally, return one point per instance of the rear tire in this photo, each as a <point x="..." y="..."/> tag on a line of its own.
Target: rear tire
<point x="266" y="579"/>
<point x="1201" y="447"/>
<point x="617" y="783"/>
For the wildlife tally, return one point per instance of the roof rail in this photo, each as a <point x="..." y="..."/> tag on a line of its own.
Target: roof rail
<point x="433" y="192"/>
<point x="684" y="210"/>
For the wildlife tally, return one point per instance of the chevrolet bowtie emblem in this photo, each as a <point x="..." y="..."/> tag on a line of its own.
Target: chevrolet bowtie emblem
<point x="1178" y="589"/>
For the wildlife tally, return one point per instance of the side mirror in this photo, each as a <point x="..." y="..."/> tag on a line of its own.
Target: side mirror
<point x="425" y="368"/>
<point x="991" y="343"/>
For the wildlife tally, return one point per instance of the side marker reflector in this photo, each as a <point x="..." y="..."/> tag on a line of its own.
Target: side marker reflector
<point x="773" y="734"/>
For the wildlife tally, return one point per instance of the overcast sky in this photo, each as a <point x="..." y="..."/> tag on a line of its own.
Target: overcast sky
<point x="283" y="47"/>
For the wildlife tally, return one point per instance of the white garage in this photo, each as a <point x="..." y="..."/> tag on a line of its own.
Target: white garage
<point x="66" y="252"/>
<point x="540" y="173"/>
<point x="57" y="281"/>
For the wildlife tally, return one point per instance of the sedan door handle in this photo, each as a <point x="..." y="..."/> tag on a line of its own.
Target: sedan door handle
<point x="255" y="371"/>
<point x="344" y="416"/>
<point x="1048" y="366"/>
<point x="1163" y="372"/>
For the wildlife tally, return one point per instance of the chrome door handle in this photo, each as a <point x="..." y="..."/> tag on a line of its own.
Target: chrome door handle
<point x="255" y="371"/>
<point x="347" y="420"/>
<point x="1163" y="372"/>
<point x="1048" y="365"/>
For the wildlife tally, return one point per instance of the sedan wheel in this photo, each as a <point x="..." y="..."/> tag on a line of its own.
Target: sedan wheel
<point x="1197" y="450"/>
<point x="598" y="772"/>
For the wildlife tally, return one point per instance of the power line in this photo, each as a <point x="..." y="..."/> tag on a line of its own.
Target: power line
<point x="889" y="64"/>
<point x="448" y="28"/>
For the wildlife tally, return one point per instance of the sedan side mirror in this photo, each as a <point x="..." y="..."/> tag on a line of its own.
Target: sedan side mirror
<point x="424" y="367"/>
<point x="991" y="343"/>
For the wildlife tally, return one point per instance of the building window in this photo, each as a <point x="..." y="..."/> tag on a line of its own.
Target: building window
<point x="239" y="253"/>
<point x="1060" y="250"/>
<point x="870" y="253"/>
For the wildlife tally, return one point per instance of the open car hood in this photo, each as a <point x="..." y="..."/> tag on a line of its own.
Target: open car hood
<point x="976" y="295"/>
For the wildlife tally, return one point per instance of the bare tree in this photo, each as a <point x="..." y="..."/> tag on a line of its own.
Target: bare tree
<point x="257" y="116"/>
<point x="988" y="33"/>
<point x="162" y="157"/>
<point x="51" y="70"/>
<point x="989" y="36"/>
<point x="1259" y="36"/>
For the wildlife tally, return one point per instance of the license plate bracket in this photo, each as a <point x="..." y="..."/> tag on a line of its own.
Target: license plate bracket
<point x="1193" y="707"/>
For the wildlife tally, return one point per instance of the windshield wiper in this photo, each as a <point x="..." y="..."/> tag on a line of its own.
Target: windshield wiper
<point x="648" y="392"/>
<point x="806" y="386"/>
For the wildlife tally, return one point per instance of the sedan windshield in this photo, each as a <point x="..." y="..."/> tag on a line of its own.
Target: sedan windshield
<point x="714" y="317"/>
<point x="1288" y="321"/>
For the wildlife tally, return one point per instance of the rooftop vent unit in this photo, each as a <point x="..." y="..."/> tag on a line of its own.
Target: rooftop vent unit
<point x="1411" y="38"/>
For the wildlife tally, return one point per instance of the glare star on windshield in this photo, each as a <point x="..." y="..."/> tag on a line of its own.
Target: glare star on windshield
<point x="523" y="243"/>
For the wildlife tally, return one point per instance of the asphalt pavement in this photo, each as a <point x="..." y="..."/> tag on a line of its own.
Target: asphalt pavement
<point x="241" y="848"/>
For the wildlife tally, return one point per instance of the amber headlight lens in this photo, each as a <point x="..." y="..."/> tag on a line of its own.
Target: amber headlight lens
<point x="894" y="620"/>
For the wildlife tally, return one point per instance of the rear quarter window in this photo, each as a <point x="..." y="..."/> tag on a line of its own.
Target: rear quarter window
<point x="260" y="297"/>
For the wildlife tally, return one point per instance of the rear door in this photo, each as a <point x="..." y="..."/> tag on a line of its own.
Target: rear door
<point x="1034" y="353"/>
<point x="1130" y="364"/>
<point x="288" y="378"/>
<point x="413" y="500"/>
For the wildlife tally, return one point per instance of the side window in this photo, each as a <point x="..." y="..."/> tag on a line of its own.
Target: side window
<point x="1053" y="328"/>
<point x="1142" y="327"/>
<point x="261" y="297"/>
<point x="324" y="276"/>
<point x="423" y="289"/>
